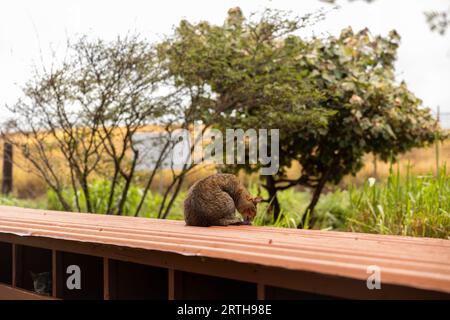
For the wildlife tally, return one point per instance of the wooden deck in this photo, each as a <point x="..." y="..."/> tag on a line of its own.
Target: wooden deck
<point x="278" y="261"/>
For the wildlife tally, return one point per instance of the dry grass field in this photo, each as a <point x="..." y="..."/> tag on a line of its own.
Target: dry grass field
<point x="28" y="185"/>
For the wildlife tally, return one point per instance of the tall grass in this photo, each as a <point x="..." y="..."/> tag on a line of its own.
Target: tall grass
<point x="412" y="205"/>
<point x="403" y="204"/>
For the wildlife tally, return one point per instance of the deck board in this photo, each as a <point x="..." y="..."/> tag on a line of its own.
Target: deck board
<point x="416" y="262"/>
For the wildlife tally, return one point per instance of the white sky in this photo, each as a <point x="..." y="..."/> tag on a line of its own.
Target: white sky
<point x="29" y="27"/>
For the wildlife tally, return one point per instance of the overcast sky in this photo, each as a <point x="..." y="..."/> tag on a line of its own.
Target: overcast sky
<point x="28" y="29"/>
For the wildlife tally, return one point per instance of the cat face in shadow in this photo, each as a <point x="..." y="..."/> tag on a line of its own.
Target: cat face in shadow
<point x="42" y="282"/>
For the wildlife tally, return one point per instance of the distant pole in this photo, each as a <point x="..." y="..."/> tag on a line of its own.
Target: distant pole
<point x="7" y="168"/>
<point x="160" y="182"/>
<point x="437" y="143"/>
<point x="375" y="166"/>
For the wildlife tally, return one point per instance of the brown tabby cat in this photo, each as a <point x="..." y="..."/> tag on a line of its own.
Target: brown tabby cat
<point x="214" y="200"/>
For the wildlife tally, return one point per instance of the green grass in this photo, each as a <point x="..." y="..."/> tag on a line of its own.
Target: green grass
<point x="401" y="205"/>
<point x="413" y="205"/>
<point x="100" y="191"/>
<point x="24" y="203"/>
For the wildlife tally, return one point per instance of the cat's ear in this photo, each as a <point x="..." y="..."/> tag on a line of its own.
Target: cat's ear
<point x="257" y="200"/>
<point x="33" y="275"/>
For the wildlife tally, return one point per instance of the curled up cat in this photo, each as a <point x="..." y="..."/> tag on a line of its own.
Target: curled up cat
<point x="213" y="201"/>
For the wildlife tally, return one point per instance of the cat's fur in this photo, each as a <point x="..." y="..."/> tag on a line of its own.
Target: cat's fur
<point x="214" y="200"/>
<point x="42" y="282"/>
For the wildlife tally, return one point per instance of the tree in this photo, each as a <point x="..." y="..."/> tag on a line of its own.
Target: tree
<point x="438" y="21"/>
<point x="78" y="121"/>
<point x="245" y="68"/>
<point x="333" y="99"/>
<point x="372" y="113"/>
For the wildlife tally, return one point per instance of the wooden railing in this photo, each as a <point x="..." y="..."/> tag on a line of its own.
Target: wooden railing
<point x="138" y="258"/>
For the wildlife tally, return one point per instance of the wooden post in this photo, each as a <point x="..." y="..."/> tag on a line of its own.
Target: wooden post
<point x="14" y="265"/>
<point x="175" y="285"/>
<point x="261" y="291"/>
<point x="7" y="168"/>
<point x="106" y="281"/>
<point x="17" y="266"/>
<point x="58" y="275"/>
